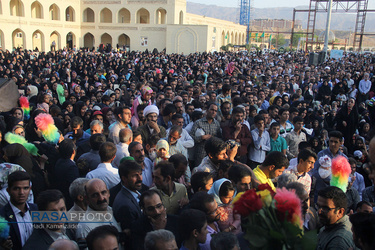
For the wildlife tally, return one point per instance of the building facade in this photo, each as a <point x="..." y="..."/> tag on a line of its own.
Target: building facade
<point x="127" y="24"/>
<point x="281" y="24"/>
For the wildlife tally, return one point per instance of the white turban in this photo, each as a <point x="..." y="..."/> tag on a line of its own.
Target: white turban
<point x="150" y="109"/>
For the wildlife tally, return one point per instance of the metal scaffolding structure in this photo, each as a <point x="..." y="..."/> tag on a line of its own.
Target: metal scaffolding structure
<point x="245" y="8"/>
<point x="338" y="6"/>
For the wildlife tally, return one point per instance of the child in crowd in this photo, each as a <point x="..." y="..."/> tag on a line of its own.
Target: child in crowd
<point x="278" y="143"/>
<point x="162" y="149"/>
<point x="223" y="192"/>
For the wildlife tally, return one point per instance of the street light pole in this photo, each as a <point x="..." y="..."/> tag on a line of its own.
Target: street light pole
<point x="328" y="25"/>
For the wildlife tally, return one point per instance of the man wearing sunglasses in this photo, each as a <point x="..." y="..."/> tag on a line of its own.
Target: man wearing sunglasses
<point x="336" y="233"/>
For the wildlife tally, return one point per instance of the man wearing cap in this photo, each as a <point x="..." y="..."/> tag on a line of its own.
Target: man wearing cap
<point x="151" y="112"/>
<point x="123" y="117"/>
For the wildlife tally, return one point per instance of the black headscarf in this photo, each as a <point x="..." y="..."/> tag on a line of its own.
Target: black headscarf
<point x="17" y="154"/>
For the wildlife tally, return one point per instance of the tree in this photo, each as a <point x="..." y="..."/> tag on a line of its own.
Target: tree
<point x="224" y="48"/>
<point x="278" y="41"/>
<point x="295" y="40"/>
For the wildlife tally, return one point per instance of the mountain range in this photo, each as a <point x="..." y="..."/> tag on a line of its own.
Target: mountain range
<point x="339" y="21"/>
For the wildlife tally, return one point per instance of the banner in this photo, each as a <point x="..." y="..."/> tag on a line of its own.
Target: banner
<point x="337" y="54"/>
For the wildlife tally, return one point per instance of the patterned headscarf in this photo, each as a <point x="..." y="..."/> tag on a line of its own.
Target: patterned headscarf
<point x="146" y="90"/>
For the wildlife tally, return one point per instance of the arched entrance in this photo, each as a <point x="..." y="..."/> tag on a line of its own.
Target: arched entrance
<point x="161" y="16"/>
<point x="88" y="15"/>
<point x="223" y="38"/>
<point x="70" y="40"/>
<point x="54" y="12"/>
<point x="38" y="40"/>
<point x="55" y="41"/>
<point x="70" y="14"/>
<point x="186" y="42"/>
<point x="19" y="39"/>
<point x="124" y="16"/>
<point x="16" y="8"/>
<point x="106" y="39"/>
<point x="143" y="16"/>
<point x="1" y="39"/>
<point x="36" y="10"/>
<point x="124" y="42"/>
<point x="181" y="19"/>
<point x="88" y="41"/>
<point x="106" y="16"/>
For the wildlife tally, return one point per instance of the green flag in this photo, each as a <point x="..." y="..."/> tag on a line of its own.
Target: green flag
<point x="270" y="37"/>
<point x="256" y="35"/>
<point x="250" y="34"/>
<point x="226" y="36"/>
<point x="262" y="35"/>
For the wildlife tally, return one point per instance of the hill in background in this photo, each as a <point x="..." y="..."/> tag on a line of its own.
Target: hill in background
<point x="340" y="21"/>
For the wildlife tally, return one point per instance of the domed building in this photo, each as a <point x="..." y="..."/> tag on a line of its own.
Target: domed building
<point x="126" y="24"/>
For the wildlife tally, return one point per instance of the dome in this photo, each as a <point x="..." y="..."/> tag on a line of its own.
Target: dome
<point x="331" y="37"/>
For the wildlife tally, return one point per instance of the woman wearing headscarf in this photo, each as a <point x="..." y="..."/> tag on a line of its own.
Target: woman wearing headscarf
<point x="80" y="109"/>
<point x="347" y="122"/>
<point x="43" y="101"/>
<point x="223" y="192"/>
<point x="17" y="113"/>
<point x="324" y="93"/>
<point x="12" y="122"/>
<point x="145" y="97"/>
<point x="32" y="132"/>
<point x="32" y="92"/>
<point x="230" y="68"/>
<point x="17" y="154"/>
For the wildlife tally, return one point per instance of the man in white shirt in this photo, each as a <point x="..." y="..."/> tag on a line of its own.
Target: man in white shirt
<point x="97" y="196"/>
<point x="349" y="80"/>
<point x="261" y="143"/>
<point x="17" y="210"/>
<point x="136" y="151"/>
<point x="105" y="171"/>
<point x="126" y="137"/>
<point x="281" y="90"/>
<point x="364" y="88"/>
<point x="123" y="116"/>
<point x="186" y="140"/>
<point x="306" y="159"/>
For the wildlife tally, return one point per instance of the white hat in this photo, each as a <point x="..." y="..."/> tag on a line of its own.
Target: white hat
<point x="150" y="109"/>
<point x="325" y="166"/>
<point x="358" y="154"/>
<point x="96" y="108"/>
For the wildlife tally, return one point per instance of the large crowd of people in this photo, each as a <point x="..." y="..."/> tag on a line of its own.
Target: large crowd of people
<point x="166" y="142"/>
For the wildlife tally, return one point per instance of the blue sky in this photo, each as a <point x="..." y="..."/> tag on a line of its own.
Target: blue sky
<point x="265" y="3"/>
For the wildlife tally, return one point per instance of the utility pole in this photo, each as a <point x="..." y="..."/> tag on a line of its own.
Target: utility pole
<point x="328" y="25"/>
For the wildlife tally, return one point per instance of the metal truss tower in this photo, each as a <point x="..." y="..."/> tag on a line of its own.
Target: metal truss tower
<point x="338" y="6"/>
<point x="245" y="16"/>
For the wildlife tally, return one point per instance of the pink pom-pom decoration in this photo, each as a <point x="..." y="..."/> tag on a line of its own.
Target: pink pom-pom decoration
<point x="340" y="172"/>
<point x="42" y="121"/>
<point x="46" y="124"/>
